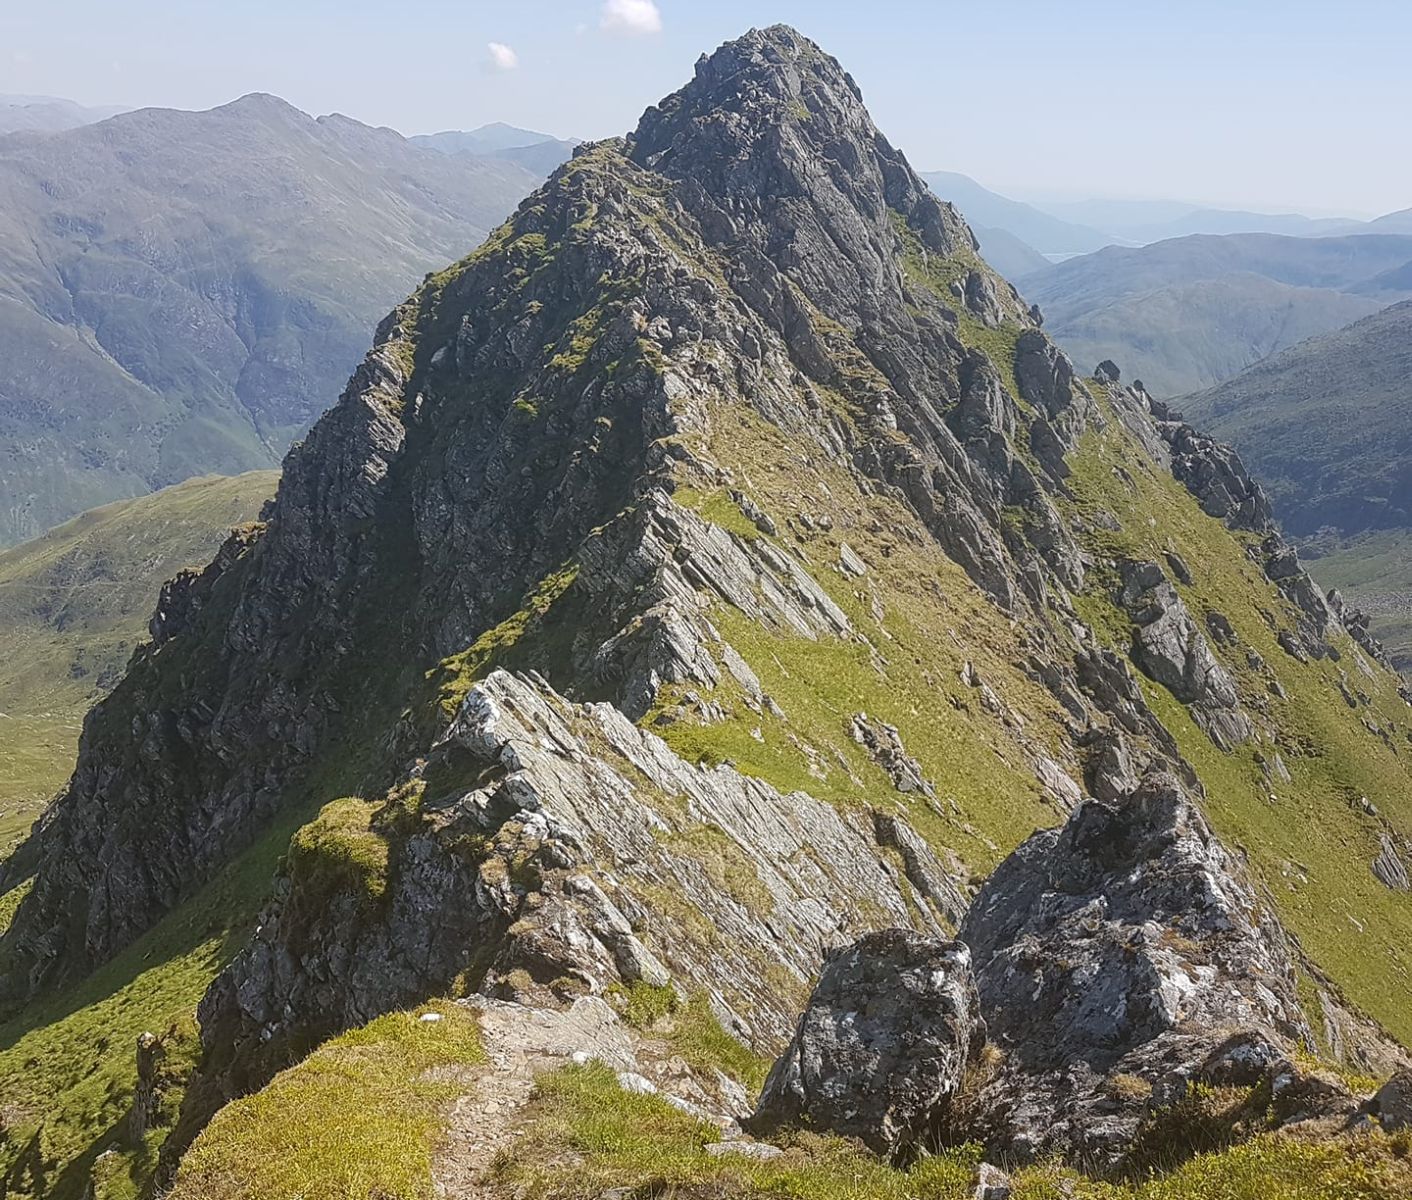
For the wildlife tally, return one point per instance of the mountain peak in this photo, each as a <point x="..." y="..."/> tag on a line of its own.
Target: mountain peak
<point x="770" y="143"/>
<point x="767" y="78"/>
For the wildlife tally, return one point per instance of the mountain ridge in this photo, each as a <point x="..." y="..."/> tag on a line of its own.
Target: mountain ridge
<point x="717" y="565"/>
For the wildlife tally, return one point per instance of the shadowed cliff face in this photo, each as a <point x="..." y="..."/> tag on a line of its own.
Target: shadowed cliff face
<point x="711" y="568"/>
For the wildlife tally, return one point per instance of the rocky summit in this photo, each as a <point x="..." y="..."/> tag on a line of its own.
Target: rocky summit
<point x="716" y="600"/>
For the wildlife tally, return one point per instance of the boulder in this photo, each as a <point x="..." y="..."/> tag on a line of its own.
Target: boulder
<point x="1127" y="943"/>
<point x="883" y="1045"/>
<point x="1392" y="1104"/>
<point x="1389" y="867"/>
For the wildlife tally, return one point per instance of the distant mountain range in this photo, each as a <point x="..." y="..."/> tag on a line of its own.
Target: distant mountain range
<point x="1327" y="425"/>
<point x="1043" y="232"/>
<point x="537" y="152"/>
<point x="182" y="293"/>
<point x="1056" y="230"/>
<point x="48" y="114"/>
<point x="1188" y="313"/>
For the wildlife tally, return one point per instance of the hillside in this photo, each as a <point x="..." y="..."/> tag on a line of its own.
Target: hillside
<point x="73" y="606"/>
<point x="181" y="293"/>
<point x="1328" y="425"/>
<point x="1187" y="314"/>
<point x="714" y="600"/>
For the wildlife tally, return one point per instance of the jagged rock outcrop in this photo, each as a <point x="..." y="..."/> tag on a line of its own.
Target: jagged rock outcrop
<point x="1389" y="867"/>
<point x="1169" y="647"/>
<point x="1128" y="942"/>
<point x="885" y="1042"/>
<point x="1215" y="475"/>
<point x="580" y="853"/>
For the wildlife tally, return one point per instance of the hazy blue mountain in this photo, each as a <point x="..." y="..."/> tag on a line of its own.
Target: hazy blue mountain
<point x="1008" y="254"/>
<point x="536" y="152"/>
<point x="980" y="206"/>
<point x="48" y="114"/>
<point x="1142" y="222"/>
<point x="183" y="292"/>
<point x="1397" y="222"/>
<point x="487" y="139"/>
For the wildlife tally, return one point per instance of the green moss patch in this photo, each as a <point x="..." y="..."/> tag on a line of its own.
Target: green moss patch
<point x="340" y="851"/>
<point x="454" y="677"/>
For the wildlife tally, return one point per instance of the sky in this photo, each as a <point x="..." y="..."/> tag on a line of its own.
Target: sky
<point x="1280" y="105"/>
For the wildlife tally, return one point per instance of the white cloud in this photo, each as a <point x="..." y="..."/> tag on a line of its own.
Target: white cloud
<point x="502" y="57"/>
<point x="632" y="16"/>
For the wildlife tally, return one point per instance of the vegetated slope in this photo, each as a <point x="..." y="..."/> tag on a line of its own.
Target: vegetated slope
<point x="1328" y="424"/>
<point x="1180" y="338"/>
<point x="181" y="293"/>
<point x="74" y="604"/>
<point x="1188" y="313"/>
<point x="717" y="565"/>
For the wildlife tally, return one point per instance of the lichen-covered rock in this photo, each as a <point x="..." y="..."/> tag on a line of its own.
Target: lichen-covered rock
<point x="1116" y="945"/>
<point x="883" y="1045"/>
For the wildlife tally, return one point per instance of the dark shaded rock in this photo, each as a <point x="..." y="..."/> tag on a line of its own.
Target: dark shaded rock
<point x="1392" y="1104"/>
<point x="1178" y="567"/>
<point x="1220" y="628"/>
<point x="1214" y="473"/>
<point x="882" y="1046"/>
<point x="146" y="1096"/>
<point x="1292" y="646"/>
<point x="1107" y="372"/>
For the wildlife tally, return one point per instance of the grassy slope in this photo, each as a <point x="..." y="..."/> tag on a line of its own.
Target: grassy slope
<point x="69" y="1061"/>
<point x="1306" y="839"/>
<point x="73" y="605"/>
<point x="914" y="682"/>
<point x="357" y="1120"/>
<point x="644" y="1145"/>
